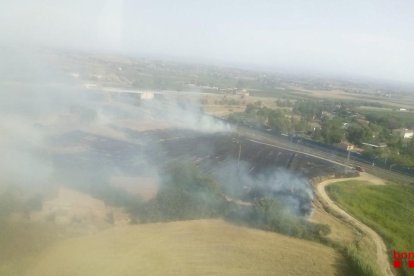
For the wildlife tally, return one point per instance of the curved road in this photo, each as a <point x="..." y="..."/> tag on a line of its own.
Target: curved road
<point x="381" y="250"/>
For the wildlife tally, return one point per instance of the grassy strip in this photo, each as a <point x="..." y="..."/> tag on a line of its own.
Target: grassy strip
<point x="359" y="264"/>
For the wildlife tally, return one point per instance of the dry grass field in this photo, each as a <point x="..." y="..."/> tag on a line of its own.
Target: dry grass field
<point x="188" y="248"/>
<point x="76" y="210"/>
<point x="145" y="187"/>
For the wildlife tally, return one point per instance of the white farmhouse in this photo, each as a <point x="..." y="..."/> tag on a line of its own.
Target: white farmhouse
<point x="404" y="133"/>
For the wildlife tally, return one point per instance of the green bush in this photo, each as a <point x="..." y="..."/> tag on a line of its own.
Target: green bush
<point x="185" y="194"/>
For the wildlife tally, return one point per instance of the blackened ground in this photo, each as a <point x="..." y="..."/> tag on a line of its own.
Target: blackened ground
<point x="219" y="147"/>
<point x="148" y="152"/>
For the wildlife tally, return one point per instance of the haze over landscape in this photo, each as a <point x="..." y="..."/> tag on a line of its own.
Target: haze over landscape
<point x="206" y="137"/>
<point x="354" y="38"/>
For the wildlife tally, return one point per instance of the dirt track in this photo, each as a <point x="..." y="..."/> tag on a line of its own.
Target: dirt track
<point x="381" y="250"/>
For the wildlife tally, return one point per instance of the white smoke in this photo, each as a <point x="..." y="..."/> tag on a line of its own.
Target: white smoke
<point x="295" y="191"/>
<point x="39" y="104"/>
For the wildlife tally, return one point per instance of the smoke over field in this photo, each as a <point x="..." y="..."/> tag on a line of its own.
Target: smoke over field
<point x="46" y="117"/>
<point x="89" y="158"/>
<point x="56" y="132"/>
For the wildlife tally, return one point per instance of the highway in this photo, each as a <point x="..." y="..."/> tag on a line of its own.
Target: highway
<point x="283" y="142"/>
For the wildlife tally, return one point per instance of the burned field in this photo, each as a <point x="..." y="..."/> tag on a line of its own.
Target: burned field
<point x="246" y="170"/>
<point x="181" y="177"/>
<point x="162" y="146"/>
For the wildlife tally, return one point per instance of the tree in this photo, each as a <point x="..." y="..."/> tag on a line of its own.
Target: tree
<point x="185" y="194"/>
<point x="250" y="108"/>
<point x="358" y="134"/>
<point x="277" y="121"/>
<point x="332" y="131"/>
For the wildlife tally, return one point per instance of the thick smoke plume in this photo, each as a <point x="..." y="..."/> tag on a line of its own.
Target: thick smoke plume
<point x="42" y="109"/>
<point x="55" y="131"/>
<point x="292" y="190"/>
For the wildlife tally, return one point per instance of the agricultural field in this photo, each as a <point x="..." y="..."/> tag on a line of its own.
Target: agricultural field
<point x="118" y="160"/>
<point x="385" y="208"/>
<point x="22" y="241"/>
<point x="188" y="247"/>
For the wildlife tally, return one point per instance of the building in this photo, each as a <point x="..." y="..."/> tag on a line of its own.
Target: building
<point x="344" y="146"/>
<point x="147" y="96"/>
<point x="373" y="146"/>
<point x="404" y="133"/>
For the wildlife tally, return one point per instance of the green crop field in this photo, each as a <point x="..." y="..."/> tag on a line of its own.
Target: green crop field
<point x="387" y="209"/>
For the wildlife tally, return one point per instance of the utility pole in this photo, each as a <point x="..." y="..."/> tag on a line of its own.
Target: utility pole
<point x="237" y="141"/>
<point x="238" y="159"/>
<point x="348" y="148"/>
<point x="347" y="158"/>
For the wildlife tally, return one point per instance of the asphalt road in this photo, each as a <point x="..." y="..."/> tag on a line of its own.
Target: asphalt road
<point x="284" y="143"/>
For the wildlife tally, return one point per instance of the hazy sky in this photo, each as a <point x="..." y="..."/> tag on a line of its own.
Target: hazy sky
<point x="361" y="37"/>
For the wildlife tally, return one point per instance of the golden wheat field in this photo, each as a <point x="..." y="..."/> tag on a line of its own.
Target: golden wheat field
<point x="188" y="248"/>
